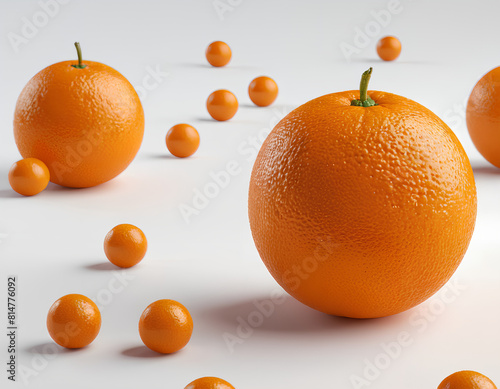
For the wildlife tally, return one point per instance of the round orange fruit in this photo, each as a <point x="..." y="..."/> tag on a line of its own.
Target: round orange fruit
<point x="166" y="326"/>
<point x="222" y="105"/>
<point x="182" y="140"/>
<point x="125" y="245"/>
<point x="389" y="48"/>
<point x="467" y="379"/>
<point x="218" y="54"/>
<point x="263" y="91"/>
<point x="483" y="116"/>
<point x="74" y="321"/>
<point x="83" y="119"/>
<point x="362" y="204"/>
<point x="29" y="176"/>
<point x="209" y="383"/>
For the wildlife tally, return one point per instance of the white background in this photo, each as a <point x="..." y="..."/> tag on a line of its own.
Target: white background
<point x="53" y="242"/>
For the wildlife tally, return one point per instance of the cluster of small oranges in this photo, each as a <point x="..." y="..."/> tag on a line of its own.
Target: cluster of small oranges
<point x="165" y="326"/>
<point x="183" y="139"/>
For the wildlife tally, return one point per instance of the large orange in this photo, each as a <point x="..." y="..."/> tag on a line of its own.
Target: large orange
<point x="84" y="120"/>
<point x="467" y="379"/>
<point x="483" y="116"/>
<point x="362" y="211"/>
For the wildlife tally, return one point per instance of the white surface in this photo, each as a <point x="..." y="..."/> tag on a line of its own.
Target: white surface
<point x="53" y="241"/>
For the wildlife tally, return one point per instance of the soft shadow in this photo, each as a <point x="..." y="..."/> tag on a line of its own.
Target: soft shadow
<point x="58" y="188"/>
<point x="365" y="60"/>
<point x="196" y="65"/>
<point x="379" y="61"/>
<point x="9" y="194"/>
<point x="51" y="187"/>
<point x="242" y="67"/>
<point x="105" y="186"/>
<point x="142" y="352"/>
<point x="166" y="156"/>
<point x="248" y="105"/>
<point x="206" y="65"/>
<point x="414" y="62"/>
<point x="206" y="119"/>
<point x="486" y="170"/>
<point x="50" y="348"/>
<point x="229" y="122"/>
<point x="163" y="156"/>
<point x="102" y="266"/>
<point x="289" y="316"/>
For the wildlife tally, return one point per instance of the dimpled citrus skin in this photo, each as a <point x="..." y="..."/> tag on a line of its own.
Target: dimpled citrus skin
<point x="467" y="379"/>
<point x="362" y="211"/>
<point x="209" y="383"/>
<point x="166" y="326"/>
<point x="86" y="124"/>
<point x="483" y="116"/>
<point x="74" y="321"/>
<point x="125" y="245"/>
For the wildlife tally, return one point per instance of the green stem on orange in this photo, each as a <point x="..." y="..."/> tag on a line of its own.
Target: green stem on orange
<point x="364" y="100"/>
<point x="80" y="59"/>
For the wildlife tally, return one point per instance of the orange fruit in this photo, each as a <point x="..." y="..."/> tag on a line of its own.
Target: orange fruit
<point x="362" y="210"/>
<point x="125" y="245"/>
<point x="389" y="48"/>
<point x="467" y="380"/>
<point x="263" y="91"/>
<point x="84" y="120"/>
<point x="209" y="383"/>
<point x="74" y="321"/>
<point x="166" y="326"/>
<point x="218" y="54"/>
<point x="483" y="116"/>
<point x="182" y="140"/>
<point x="222" y="105"/>
<point x="29" y="176"/>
